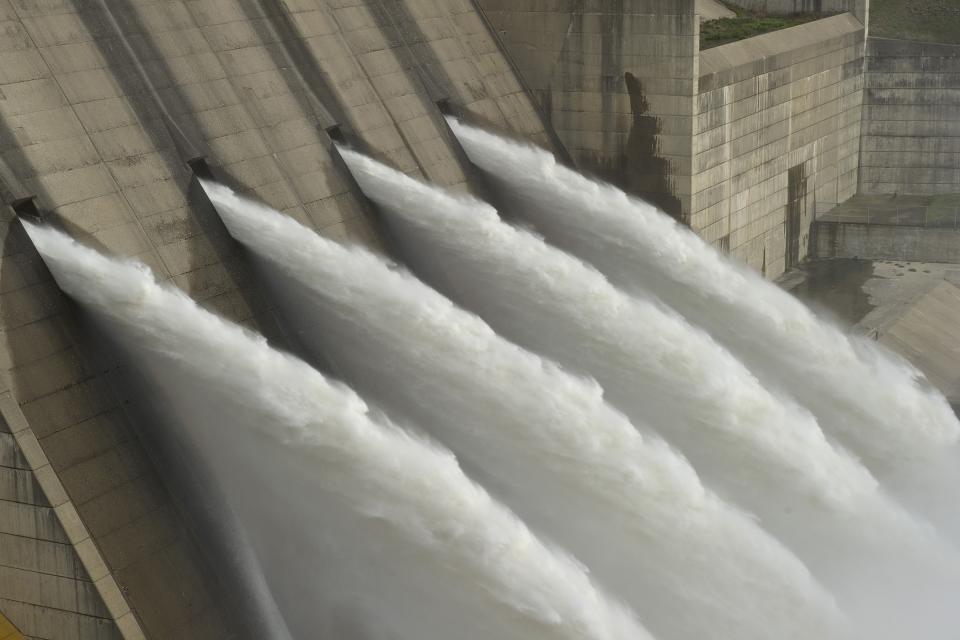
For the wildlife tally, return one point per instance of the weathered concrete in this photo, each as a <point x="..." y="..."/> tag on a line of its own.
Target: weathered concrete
<point x="51" y="572"/>
<point x="746" y="142"/>
<point x="617" y="80"/>
<point x="776" y="138"/>
<point x="99" y="129"/>
<point x="942" y="211"/>
<point x="712" y="10"/>
<point x="859" y="8"/>
<point x="886" y="242"/>
<point x="915" y="228"/>
<point x="911" y="118"/>
<point x="927" y="334"/>
<point x="912" y="308"/>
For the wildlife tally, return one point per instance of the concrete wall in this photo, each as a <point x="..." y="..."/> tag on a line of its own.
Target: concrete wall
<point x="786" y="7"/>
<point x="53" y="579"/>
<point x="617" y="81"/>
<point x="777" y="108"/>
<point x="911" y="118"/>
<point x="99" y="128"/>
<point x="886" y="242"/>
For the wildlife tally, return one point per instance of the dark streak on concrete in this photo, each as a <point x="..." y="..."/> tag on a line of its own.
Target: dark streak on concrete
<point x="642" y="171"/>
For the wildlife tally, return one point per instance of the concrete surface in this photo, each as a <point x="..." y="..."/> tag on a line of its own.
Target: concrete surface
<point x="745" y="142"/>
<point x="51" y="574"/>
<point x="98" y="127"/>
<point x="776" y="138"/>
<point x="911" y="307"/>
<point x="859" y="8"/>
<point x="617" y="80"/>
<point x="911" y="118"/>
<point x="940" y="211"/>
<point x="891" y="227"/>
<point x="712" y="10"/>
<point x="886" y="242"/>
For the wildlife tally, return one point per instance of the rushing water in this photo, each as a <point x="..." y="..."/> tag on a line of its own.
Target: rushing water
<point x="543" y="439"/>
<point x="761" y="449"/>
<point x="559" y="398"/>
<point x="876" y="404"/>
<point x="362" y="530"/>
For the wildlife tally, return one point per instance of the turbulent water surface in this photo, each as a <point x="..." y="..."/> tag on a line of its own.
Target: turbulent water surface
<point x="541" y="438"/>
<point x="609" y="431"/>
<point x="876" y="403"/>
<point x="360" y="527"/>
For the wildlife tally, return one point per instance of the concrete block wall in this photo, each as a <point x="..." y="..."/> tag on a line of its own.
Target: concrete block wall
<point x="98" y="127"/>
<point x="617" y="81"/>
<point x="911" y="118"/>
<point x="785" y="100"/>
<point x="42" y="583"/>
<point x="53" y="579"/>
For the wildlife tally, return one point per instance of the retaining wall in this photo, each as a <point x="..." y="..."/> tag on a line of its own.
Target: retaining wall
<point x="886" y="242"/>
<point x="776" y="138"/>
<point x="859" y="8"/>
<point x="911" y="118"/>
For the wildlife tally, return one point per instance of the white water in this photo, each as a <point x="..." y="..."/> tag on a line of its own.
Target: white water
<point x="363" y="530"/>
<point x="764" y="450"/>
<point x="540" y="438"/>
<point x="879" y="405"/>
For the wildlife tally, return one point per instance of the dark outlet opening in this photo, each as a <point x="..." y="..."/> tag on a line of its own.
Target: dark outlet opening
<point x="336" y="134"/>
<point x="27" y="208"/>
<point x="200" y="168"/>
<point x="446" y="108"/>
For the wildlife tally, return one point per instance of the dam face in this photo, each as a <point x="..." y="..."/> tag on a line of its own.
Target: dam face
<point x="101" y="105"/>
<point x="111" y="109"/>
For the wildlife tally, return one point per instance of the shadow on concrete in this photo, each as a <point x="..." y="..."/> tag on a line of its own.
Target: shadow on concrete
<point x="273" y="24"/>
<point x="183" y="136"/>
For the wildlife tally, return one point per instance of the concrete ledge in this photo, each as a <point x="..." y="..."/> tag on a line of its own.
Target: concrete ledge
<point x="776" y="50"/>
<point x="89" y="555"/>
<point x="885" y="242"/>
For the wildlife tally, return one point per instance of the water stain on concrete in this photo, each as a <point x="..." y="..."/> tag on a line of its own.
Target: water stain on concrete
<point x="838" y="287"/>
<point x="644" y="172"/>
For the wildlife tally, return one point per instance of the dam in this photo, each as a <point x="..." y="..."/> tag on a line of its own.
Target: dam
<point x="424" y="319"/>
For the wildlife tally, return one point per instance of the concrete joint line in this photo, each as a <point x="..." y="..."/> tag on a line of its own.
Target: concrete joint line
<point x="84" y="546"/>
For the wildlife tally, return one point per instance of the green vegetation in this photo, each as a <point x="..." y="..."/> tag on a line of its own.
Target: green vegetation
<point x="747" y="24"/>
<point x="926" y="20"/>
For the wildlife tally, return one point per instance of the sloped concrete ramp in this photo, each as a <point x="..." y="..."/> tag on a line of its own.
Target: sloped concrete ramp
<point x="713" y="10"/>
<point x="928" y="334"/>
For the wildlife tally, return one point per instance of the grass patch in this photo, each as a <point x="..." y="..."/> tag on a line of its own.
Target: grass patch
<point x="747" y="24"/>
<point x="925" y="20"/>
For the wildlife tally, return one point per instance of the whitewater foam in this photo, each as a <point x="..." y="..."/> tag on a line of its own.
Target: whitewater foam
<point x="443" y="559"/>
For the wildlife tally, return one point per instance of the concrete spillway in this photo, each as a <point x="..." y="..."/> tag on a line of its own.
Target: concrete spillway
<point x="833" y="374"/>
<point x="624" y="503"/>
<point x="389" y="536"/>
<point x="353" y="525"/>
<point x="103" y="103"/>
<point x="348" y="523"/>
